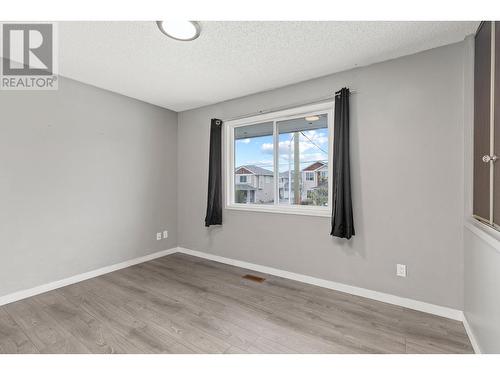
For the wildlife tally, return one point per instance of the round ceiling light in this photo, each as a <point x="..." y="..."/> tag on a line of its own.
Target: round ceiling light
<point x="180" y="30"/>
<point x="312" y="118"/>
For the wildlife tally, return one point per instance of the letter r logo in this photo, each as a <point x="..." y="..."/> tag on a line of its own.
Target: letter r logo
<point x="27" y="49"/>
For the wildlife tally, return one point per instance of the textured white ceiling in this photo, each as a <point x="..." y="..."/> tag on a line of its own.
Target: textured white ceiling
<point x="233" y="59"/>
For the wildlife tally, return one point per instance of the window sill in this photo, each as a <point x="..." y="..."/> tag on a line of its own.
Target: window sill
<point x="483" y="231"/>
<point x="273" y="209"/>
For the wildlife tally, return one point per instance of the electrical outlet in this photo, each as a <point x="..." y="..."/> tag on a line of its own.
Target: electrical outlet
<point x="165" y="234"/>
<point x="401" y="270"/>
<point x="158" y="236"/>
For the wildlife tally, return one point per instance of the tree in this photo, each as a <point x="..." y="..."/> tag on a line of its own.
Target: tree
<point x="320" y="195"/>
<point x="241" y="196"/>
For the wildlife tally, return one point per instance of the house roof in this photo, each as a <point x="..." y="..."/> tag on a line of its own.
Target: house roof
<point x="253" y="169"/>
<point x="314" y="166"/>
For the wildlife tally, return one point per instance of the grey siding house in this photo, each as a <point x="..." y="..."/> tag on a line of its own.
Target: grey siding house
<point x="313" y="185"/>
<point x="253" y="185"/>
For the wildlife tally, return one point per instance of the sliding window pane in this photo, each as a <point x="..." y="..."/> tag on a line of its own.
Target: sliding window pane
<point x="482" y="77"/>
<point x="254" y="164"/>
<point x="496" y="170"/>
<point x="303" y="161"/>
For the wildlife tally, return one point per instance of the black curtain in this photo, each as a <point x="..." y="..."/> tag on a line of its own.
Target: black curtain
<point x="342" y="219"/>
<point x="214" y="199"/>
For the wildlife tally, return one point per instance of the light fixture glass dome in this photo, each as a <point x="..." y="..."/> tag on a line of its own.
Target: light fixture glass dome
<point x="312" y="118"/>
<point x="180" y="30"/>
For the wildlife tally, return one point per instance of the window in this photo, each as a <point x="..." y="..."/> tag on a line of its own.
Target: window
<point x="253" y="155"/>
<point x="486" y="150"/>
<point x="243" y="179"/>
<point x="289" y="154"/>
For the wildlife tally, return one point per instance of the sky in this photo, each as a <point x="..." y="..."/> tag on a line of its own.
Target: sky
<point x="313" y="146"/>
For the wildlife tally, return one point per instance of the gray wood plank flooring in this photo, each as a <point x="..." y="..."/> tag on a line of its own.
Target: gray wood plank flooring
<point x="184" y="304"/>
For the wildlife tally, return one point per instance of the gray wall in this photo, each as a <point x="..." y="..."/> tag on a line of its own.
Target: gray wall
<point x="482" y="291"/>
<point x="87" y="178"/>
<point x="407" y="176"/>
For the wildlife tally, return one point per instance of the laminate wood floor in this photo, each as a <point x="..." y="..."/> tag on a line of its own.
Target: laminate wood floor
<point x="184" y="304"/>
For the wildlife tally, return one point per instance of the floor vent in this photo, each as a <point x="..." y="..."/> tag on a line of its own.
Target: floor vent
<point x="257" y="279"/>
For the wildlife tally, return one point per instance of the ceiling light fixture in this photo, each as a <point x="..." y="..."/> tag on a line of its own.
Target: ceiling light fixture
<point x="180" y="30"/>
<point x="312" y="118"/>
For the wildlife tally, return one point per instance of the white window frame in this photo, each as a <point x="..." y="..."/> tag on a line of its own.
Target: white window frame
<point x="309" y="173"/>
<point x="303" y="111"/>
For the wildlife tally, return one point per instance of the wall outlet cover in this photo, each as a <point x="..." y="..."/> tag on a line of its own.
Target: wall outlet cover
<point x="165" y="234"/>
<point x="401" y="270"/>
<point x="158" y="236"/>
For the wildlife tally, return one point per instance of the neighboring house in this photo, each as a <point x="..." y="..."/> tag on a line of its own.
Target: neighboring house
<point x="284" y="186"/>
<point x="256" y="185"/>
<point x="313" y="184"/>
<point x="314" y="178"/>
<point x="253" y="185"/>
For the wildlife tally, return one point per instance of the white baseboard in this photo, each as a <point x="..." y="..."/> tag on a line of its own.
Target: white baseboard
<point x="362" y="292"/>
<point x="472" y="337"/>
<point x="22" y="294"/>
